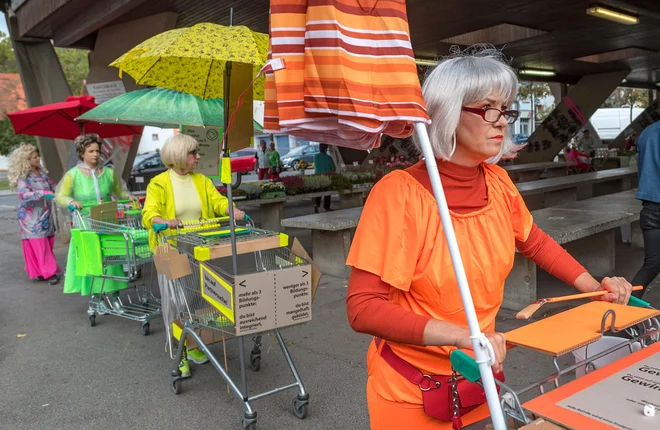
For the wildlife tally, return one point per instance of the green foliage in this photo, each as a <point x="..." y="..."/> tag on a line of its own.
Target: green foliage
<point x="7" y="58"/>
<point x="250" y="189"/>
<point x="315" y="183"/>
<point x="340" y="183"/>
<point x="9" y="140"/>
<point x="75" y="63"/>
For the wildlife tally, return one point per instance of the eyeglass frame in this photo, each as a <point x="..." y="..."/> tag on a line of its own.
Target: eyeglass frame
<point x="194" y="152"/>
<point x="482" y="113"/>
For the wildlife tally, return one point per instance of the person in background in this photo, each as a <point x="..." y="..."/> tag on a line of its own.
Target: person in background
<point x="631" y="142"/>
<point x="35" y="212"/>
<point x="176" y="196"/>
<point x="576" y="160"/>
<point x="263" y="159"/>
<point x="89" y="184"/>
<point x="402" y="289"/>
<point x="323" y="163"/>
<point x="648" y="191"/>
<point x="274" y="158"/>
<point x="588" y="143"/>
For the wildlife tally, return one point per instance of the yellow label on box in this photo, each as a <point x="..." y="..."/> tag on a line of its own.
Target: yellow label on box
<point x="216" y="291"/>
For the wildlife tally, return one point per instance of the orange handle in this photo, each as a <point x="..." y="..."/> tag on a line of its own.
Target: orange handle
<point x="584" y="295"/>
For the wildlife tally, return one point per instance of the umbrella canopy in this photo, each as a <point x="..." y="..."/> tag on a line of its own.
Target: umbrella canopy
<point x="58" y="121"/>
<point x="160" y="107"/>
<point x="193" y="60"/>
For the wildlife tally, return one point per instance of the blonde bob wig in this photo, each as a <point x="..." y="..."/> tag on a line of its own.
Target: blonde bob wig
<point x="462" y="79"/>
<point x="174" y="153"/>
<point x="19" y="164"/>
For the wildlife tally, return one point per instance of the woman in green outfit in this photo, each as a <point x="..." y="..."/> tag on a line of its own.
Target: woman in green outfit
<point x="274" y="158"/>
<point x="89" y="184"/>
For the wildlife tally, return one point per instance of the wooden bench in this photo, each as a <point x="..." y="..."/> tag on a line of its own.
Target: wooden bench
<point x="556" y="191"/>
<point x="532" y="171"/>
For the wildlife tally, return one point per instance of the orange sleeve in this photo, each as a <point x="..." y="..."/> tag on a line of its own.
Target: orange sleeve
<point x="391" y="233"/>
<point x="550" y="256"/>
<point x="369" y="311"/>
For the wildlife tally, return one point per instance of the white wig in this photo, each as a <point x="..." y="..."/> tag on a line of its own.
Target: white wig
<point x="462" y="79"/>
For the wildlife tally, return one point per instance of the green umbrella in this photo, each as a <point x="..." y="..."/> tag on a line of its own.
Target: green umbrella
<point x="160" y="107"/>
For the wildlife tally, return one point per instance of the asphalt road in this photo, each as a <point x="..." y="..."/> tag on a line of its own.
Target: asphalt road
<point x="62" y="374"/>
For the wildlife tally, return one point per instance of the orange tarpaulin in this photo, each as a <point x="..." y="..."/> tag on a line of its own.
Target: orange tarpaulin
<point x="343" y="72"/>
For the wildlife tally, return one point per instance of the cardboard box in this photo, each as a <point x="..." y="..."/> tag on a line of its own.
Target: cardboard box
<point x="171" y="263"/>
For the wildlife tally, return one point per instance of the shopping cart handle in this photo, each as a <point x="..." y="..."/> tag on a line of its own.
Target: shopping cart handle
<point x="160" y="227"/>
<point x="465" y="365"/>
<point x="638" y="303"/>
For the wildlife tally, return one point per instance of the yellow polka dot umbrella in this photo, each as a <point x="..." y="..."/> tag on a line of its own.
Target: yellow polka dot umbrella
<point x="193" y="59"/>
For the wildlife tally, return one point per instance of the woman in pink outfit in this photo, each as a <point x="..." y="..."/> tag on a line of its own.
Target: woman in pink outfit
<point x="35" y="212"/>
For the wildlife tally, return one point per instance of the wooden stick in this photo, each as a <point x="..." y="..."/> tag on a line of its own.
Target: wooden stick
<point x="530" y="309"/>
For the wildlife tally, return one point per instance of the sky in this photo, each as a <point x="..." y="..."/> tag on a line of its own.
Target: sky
<point x="3" y="23"/>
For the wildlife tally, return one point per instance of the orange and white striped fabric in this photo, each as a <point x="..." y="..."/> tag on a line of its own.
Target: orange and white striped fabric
<point x="341" y="72"/>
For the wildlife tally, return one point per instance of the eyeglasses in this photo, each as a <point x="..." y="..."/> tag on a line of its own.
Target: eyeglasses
<point x="194" y="152"/>
<point x="493" y="115"/>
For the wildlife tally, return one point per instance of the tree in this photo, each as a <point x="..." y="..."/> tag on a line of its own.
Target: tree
<point x="74" y="63"/>
<point x="7" y="58"/>
<point x="627" y="97"/>
<point x="9" y="140"/>
<point x="534" y="92"/>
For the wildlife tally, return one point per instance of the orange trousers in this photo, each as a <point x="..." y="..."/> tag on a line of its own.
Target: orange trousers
<point x="387" y="415"/>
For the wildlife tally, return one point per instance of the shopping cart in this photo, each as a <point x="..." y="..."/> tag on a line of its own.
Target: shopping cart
<point x="641" y="333"/>
<point x="116" y="238"/>
<point x="208" y="250"/>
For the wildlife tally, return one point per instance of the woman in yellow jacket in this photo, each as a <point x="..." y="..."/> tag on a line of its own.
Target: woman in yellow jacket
<point x="181" y="195"/>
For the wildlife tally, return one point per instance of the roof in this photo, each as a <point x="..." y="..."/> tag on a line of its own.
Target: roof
<point x="555" y="35"/>
<point x="12" y="96"/>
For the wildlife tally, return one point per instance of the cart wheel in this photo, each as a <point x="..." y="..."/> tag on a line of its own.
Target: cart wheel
<point x="255" y="362"/>
<point x="248" y="424"/>
<point x="92" y="320"/>
<point x="176" y="386"/>
<point x="301" y="407"/>
<point x="145" y="329"/>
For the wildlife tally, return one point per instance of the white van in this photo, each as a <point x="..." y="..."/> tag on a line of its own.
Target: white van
<point x="610" y="122"/>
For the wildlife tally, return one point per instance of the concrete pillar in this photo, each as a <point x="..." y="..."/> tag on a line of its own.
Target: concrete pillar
<point x="44" y="82"/>
<point x="570" y="115"/>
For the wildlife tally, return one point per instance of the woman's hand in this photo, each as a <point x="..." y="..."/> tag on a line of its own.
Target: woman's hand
<point x="173" y="223"/>
<point x="238" y="214"/>
<point x="76" y="204"/>
<point x="497" y="340"/>
<point x="618" y="290"/>
<point x="133" y="198"/>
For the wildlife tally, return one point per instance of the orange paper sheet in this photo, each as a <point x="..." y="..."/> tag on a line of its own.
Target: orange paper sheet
<point x="567" y="331"/>
<point x="547" y="404"/>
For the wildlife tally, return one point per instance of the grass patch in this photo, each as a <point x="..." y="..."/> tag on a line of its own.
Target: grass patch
<point x="4" y="184"/>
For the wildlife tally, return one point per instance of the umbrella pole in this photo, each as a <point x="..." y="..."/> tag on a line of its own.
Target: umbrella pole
<point x="480" y="344"/>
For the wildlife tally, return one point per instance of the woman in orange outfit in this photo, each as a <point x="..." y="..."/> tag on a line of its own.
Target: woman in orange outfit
<point x="402" y="288"/>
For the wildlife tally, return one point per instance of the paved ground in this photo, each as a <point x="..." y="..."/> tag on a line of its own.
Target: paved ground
<point x="62" y="374"/>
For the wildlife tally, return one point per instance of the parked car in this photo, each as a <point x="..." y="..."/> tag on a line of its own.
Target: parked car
<point x="306" y="153"/>
<point x="148" y="165"/>
<point x="521" y="138"/>
<point x="244" y="161"/>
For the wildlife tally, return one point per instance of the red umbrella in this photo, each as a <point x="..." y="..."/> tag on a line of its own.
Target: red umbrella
<point x="57" y="121"/>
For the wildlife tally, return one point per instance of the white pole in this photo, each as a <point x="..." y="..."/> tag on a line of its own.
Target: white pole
<point x="482" y="347"/>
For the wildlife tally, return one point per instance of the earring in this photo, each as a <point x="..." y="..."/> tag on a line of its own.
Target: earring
<point x="453" y="146"/>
